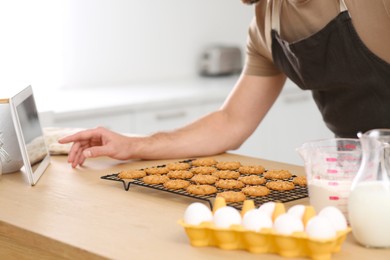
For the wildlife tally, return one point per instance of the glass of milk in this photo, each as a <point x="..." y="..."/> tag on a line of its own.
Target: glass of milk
<point x="369" y="200"/>
<point x="331" y="165"/>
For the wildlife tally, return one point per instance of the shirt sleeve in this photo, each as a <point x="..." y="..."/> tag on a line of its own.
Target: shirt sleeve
<point x="258" y="59"/>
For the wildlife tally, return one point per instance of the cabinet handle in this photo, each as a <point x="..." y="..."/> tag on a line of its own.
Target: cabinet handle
<point x="172" y="115"/>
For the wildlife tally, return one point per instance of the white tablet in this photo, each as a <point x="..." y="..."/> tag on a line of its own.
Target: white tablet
<point x="35" y="154"/>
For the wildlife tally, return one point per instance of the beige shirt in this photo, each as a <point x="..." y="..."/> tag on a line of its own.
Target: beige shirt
<point x="301" y="18"/>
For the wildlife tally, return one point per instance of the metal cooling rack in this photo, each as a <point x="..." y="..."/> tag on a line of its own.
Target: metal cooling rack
<point x="276" y="196"/>
<point x="139" y="182"/>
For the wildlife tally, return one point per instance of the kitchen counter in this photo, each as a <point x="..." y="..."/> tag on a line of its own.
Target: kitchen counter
<point x="138" y="96"/>
<point x="118" y="107"/>
<point x="73" y="214"/>
<point x="144" y="108"/>
<point x="84" y="101"/>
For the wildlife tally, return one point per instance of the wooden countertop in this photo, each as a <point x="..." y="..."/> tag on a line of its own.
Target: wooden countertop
<point x="73" y="214"/>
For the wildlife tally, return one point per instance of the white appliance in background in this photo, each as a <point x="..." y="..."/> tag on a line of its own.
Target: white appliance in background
<point x="10" y="155"/>
<point x="220" y="60"/>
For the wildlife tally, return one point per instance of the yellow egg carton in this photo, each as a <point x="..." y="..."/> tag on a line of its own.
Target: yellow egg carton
<point x="265" y="241"/>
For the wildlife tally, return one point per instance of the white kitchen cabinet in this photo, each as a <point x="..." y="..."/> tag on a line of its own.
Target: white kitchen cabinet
<point x="144" y="120"/>
<point x="142" y="109"/>
<point x="293" y="120"/>
<point x="120" y="122"/>
<point x="173" y="116"/>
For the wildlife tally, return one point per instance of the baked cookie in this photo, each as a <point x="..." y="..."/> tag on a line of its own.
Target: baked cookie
<point x="131" y="174"/>
<point x="256" y="191"/>
<point x="204" y="162"/>
<point x="180" y="174"/>
<point x="300" y="180"/>
<point x="256" y="169"/>
<point x="204" y="179"/>
<point x="178" y="166"/>
<point x="201" y="189"/>
<point x="280" y="185"/>
<point x="252" y="180"/>
<point x="227" y="174"/>
<point x="232" y="196"/>
<point x="229" y="184"/>
<point x="228" y="165"/>
<point x="155" y="179"/>
<point x="157" y="170"/>
<point x="176" y="184"/>
<point x="277" y="174"/>
<point x="203" y="170"/>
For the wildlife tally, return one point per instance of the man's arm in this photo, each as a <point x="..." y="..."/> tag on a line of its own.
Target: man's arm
<point x="222" y="130"/>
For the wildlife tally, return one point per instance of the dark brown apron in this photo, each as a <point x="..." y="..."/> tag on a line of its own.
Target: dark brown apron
<point x="349" y="83"/>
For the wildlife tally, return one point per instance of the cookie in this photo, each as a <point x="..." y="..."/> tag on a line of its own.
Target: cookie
<point x="204" y="162"/>
<point x="300" y="180"/>
<point x="180" y="174"/>
<point x="255" y="191"/>
<point x="277" y="174"/>
<point x="252" y="180"/>
<point x="203" y="170"/>
<point x="227" y="174"/>
<point x="229" y="184"/>
<point x="201" y="189"/>
<point x="228" y="165"/>
<point x="257" y="169"/>
<point x="232" y="196"/>
<point x="176" y="184"/>
<point x="178" y="166"/>
<point x="157" y="170"/>
<point x="204" y="179"/>
<point x="155" y="179"/>
<point x="131" y="174"/>
<point x="280" y="185"/>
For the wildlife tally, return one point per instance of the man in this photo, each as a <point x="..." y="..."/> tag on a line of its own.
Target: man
<point x="340" y="50"/>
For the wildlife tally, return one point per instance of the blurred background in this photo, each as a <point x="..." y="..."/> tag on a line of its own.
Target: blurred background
<point x="133" y="67"/>
<point x="89" y="43"/>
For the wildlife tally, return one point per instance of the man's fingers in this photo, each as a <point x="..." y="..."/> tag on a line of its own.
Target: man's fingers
<point x="73" y="151"/>
<point x="95" y="151"/>
<point x="81" y="136"/>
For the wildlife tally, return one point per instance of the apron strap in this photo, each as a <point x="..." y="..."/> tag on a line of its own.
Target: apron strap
<point x="272" y="20"/>
<point x="276" y="7"/>
<point x="267" y="25"/>
<point x="343" y="6"/>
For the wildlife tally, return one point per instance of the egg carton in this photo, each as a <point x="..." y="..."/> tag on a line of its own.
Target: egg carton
<point x="266" y="241"/>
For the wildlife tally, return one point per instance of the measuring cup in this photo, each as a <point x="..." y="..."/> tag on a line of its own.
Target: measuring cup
<point x="331" y="165"/>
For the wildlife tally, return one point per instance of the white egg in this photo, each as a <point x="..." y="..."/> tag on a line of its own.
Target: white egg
<point x="297" y="210"/>
<point x="227" y="216"/>
<point x="335" y="216"/>
<point x="255" y="220"/>
<point x="320" y="227"/>
<point x="267" y="208"/>
<point x="287" y="224"/>
<point x="196" y="213"/>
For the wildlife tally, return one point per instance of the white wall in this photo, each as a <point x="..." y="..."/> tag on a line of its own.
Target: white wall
<point x="117" y="42"/>
<point x="30" y="43"/>
<point x="72" y="43"/>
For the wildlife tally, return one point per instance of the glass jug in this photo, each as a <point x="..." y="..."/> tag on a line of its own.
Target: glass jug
<point x="369" y="200"/>
<point x="330" y="165"/>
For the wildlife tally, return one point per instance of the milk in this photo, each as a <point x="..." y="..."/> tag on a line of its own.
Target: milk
<point x="369" y="213"/>
<point x="323" y="193"/>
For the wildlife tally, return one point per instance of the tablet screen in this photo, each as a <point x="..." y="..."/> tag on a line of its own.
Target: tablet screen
<point x="30" y="135"/>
